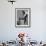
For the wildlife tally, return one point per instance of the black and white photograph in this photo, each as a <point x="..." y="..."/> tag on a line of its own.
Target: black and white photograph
<point x="22" y="17"/>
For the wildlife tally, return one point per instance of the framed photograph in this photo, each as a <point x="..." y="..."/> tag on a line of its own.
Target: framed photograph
<point x="22" y="17"/>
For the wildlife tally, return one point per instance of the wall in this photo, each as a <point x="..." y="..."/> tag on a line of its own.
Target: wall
<point x="8" y="31"/>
